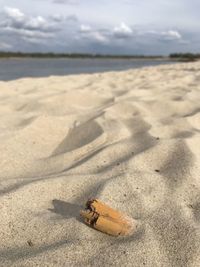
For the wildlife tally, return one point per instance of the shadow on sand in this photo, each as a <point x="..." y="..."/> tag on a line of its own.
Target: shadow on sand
<point x="66" y="209"/>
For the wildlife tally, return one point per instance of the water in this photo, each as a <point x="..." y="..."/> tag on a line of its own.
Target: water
<point x="11" y="69"/>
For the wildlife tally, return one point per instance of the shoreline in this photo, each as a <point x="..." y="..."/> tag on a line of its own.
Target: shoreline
<point x="103" y="58"/>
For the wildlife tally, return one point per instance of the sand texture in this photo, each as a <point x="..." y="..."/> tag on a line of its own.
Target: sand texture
<point x="130" y="139"/>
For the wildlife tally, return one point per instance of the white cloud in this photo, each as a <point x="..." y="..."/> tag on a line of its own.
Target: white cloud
<point x="94" y="35"/>
<point x="122" y="31"/>
<point x="171" y="35"/>
<point x="35" y="29"/>
<point x="99" y="37"/>
<point x="30" y="33"/>
<point x="37" y="23"/>
<point x="14" y="13"/>
<point x="14" y="18"/>
<point x="23" y="30"/>
<point x="85" y="28"/>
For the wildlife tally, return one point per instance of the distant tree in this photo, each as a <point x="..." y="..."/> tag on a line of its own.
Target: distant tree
<point x="185" y="56"/>
<point x="72" y="55"/>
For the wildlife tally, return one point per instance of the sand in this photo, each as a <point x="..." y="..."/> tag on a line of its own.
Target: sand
<point x="130" y="138"/>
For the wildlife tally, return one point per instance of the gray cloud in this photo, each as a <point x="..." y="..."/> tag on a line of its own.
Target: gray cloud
<point x="14" y="18"/>
<point x="69" y="2"/>
<point x="131" y="40"/>
<point x="58" y="18"/>
<point x="28" y="33"/>
<point x="106" y="36"/>
<point x="120" y="34"/>
<point x="89" y="34"/>
<point x="16" y="26"/>
<point x="4" y="45"/>
<point x="59" y="32"/>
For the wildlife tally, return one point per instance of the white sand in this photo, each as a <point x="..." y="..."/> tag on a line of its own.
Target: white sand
<point x="64" y="139"/>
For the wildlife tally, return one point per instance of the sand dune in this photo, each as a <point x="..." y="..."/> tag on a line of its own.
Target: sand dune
<point x="131" y="139"/>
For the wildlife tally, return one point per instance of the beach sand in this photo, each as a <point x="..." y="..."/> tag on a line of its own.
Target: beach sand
<point x="130" y="139"/>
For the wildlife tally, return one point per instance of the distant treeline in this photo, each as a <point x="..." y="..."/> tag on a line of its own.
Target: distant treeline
<point x="72" y="55"/>
<point x="185" y="56"/>
<point x="174" y="56"/>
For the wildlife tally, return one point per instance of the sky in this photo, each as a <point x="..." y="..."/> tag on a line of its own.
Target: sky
<point x="149" y="27"/>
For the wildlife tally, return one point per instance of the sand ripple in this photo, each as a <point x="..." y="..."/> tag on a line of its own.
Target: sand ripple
<point x="130" y="138"/>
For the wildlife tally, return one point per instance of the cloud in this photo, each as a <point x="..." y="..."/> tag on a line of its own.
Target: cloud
<point x="33" y="29"/>
<point x="171" y="35"/>
<point x="37" y="23"/>
<point x="93" y="35"/>
<point x="4" y="45"/>
<point x="14" y="18"/>
<point x="119" y="34"/>
<point x="71" y="18"/>
<point x="52" y="30"/>
<point x="34" y="40"/>
<point x="14" y="13"/>
<point x="122" y="31"/>
<point x="57" y="18"/>
<point x="99" y="37"/>
<point x="85" y="28"/>
<point x="31" y="34"/>
<point x="69" y="2"/>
